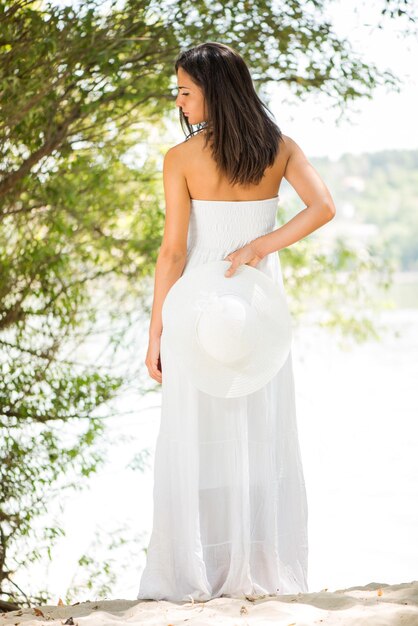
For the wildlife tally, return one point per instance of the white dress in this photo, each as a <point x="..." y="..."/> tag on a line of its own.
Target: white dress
<point x="230" y="508"/>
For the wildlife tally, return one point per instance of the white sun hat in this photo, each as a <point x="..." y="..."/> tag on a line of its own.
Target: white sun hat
<point x="230" y="335"/>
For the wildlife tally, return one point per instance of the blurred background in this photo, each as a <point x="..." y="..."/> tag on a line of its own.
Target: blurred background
<point x="88" y="113"/>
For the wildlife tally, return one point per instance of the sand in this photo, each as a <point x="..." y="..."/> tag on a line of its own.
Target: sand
<point x="372" y="605"/>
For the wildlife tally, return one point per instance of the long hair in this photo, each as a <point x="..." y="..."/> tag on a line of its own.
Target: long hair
<point x="244" y="138"/>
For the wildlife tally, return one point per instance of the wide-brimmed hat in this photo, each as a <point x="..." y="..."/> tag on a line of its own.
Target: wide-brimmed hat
<point x="230" y="335"/>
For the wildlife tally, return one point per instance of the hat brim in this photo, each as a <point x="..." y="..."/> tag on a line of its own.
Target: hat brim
<point x="187" y="298"/>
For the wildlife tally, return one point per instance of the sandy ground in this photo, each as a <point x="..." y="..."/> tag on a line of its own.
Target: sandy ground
<point x="373" y="605"/>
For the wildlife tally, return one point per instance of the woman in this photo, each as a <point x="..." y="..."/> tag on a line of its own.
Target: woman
<point x="230" y="507"/>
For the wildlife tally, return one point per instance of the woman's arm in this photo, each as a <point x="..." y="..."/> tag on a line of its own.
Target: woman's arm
<point x="173" y="250"/>
<point x="312" y="190"/>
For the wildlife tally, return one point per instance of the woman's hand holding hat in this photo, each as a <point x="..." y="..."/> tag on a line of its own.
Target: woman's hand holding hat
<point x="229" y="337"/>
<point x="247" y="255"/>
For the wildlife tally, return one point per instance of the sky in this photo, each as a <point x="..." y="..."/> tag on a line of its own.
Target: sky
<point x="388" y="120"/>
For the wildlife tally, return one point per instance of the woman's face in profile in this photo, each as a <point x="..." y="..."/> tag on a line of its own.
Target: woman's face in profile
<point x="190" y="98"/>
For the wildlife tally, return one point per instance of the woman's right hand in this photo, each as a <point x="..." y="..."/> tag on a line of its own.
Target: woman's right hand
<point x="152" y="360"/>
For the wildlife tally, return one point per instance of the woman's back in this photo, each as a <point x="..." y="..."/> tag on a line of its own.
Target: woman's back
<point x="205" y="182"/>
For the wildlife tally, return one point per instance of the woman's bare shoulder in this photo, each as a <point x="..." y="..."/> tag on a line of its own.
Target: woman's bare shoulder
<point x="183" y="150"/>
<point x="175" y="150"/>
<point x="291" y="152"/>
<point x="287" y="145"/>
<point x="290" y="146"/>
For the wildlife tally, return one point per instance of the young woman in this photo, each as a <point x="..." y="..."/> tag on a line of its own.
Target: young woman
<point x="230" y="506"/>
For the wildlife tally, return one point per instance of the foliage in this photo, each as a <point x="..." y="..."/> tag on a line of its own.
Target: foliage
<point x="331" y="288"/>
<point x="97" y="567"/>
<point x="380" y="188"/>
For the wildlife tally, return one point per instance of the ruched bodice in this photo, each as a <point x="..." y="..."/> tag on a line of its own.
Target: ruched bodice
<point x="219" y="227"/>
<point x="213" y="223"/>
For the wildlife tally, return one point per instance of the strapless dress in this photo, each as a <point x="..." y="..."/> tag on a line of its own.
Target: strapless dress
<point x="229" y="500"/>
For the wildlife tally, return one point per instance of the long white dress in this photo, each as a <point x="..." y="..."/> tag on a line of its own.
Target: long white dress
<point x="230" y="507"/>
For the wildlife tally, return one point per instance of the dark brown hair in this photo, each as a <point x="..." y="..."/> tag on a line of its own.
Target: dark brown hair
<point x="244" y="138"/>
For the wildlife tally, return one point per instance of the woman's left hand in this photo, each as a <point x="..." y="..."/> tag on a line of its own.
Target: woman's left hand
<point x="247" y="255"/>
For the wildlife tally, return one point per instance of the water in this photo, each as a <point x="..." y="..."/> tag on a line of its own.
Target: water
<point x="359" y="435"/>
